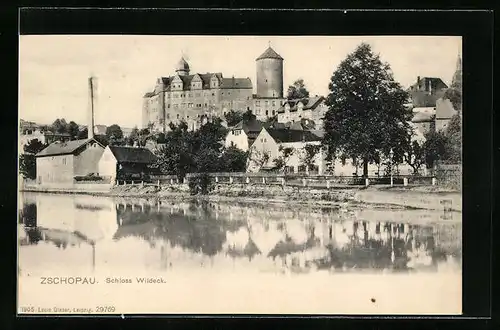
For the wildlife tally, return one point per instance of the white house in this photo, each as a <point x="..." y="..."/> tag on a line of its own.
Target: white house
<point x="60" y="162"/>
<point x="124" y="163"/>
<point x="269" y="141"/>
<point x="243" y="134"/>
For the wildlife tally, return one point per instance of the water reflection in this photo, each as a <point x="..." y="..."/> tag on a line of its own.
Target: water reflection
<point x="166" y="235"/>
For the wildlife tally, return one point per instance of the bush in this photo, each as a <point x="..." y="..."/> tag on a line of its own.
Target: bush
<point x="200" y="184"/>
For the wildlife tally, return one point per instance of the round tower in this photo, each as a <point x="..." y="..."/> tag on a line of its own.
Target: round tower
<point x="182" y="67"/>
<point x="270" y="74"/>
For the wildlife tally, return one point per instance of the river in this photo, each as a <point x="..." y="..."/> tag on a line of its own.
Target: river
<point x="236" y="257"/>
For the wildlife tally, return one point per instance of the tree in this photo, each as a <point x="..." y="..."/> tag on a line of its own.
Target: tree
<point x="297" y="90"/>
<point x="175" y="156"/>
<point x="453" y="134"/>
<point x="234" y="159"/>
<point x="435" y="148"/>
<point x="281" y="162"/>
<point x="248" y="116"/>
<point x="27" y="160"/>
<point x="114" y="134"/>
<point x="59" y="126"/>
<point x="83" y="134"/>
<point x="308" y="152"/>
<point x="133" y="137"/>
<point x="73" y="129"/>
<point x="197" y="151"/>
<point x="258" y="158"/>
<point x="232" y="118"/>
<point x="454" y="93"/>
<point x="415" y="155"/>
<point x="34" y="146"/>
<point x="366" y="115"/>
<point x="27" y="166"/>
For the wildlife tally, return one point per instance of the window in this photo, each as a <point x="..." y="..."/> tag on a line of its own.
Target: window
<point x="168" y="116"/>
<point x="274" y="103"/>
<point x="213" y="94"/>
<point x="267" y="112"/>
<point x="187" y="117"/>
<point x="267" y="102"/>
<point x="168" y="106"/>
<point x="177" y="116"/>
<point x="237" y="132"/>
<point x="274" y="112"/>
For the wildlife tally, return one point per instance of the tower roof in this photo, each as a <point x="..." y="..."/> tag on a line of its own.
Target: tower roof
<point x="269" y="53"/>
<point x="182" y="65"/>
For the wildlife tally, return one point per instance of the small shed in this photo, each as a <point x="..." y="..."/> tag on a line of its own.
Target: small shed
<point x="127" y="163"/>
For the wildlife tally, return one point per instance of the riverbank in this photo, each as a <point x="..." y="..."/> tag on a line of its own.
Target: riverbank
<point x="417" y="197"/>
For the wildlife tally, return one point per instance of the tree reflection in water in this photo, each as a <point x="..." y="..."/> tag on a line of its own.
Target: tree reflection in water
<point x="203" y="227"/>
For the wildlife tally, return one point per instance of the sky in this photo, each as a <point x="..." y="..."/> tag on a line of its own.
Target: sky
<point x="53" y="70"/>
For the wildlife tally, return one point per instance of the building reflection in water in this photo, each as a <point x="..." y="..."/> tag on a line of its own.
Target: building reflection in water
<point x="202" y="234"/>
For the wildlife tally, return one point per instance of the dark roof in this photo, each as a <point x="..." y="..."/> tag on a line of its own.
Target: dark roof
<point x="132" y="155"/>
<point x="308" y="103"/>
<point x="423" y="82"/>
<point x="65" y="148"/>
<point x="291" y="135"/>
<point x="249" y="126"/>
<point x="269" y="53"/>
<point x="235" y="83"/>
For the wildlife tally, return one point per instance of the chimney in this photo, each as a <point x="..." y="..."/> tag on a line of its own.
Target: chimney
<point x="92" y="103"/>
<point x="430" y="86"/>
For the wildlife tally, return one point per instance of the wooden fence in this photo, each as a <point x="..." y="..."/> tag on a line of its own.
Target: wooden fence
<point x="317" y="181"/>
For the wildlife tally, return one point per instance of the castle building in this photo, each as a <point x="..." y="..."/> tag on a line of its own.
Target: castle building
<point x="196" y="97"/>
<point x="193" y="98"/>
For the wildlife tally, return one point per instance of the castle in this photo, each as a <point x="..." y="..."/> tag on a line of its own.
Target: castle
<point x="196" y="97"/>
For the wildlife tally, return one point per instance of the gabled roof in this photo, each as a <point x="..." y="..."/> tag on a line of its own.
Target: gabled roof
<point x="65" y="148"/>
<point x="186" y="81"/>
<point x="132" y="155"/>
<point x="308" y="103"/>
<point x="424" y="81"/>
<point x="269" y="53"/>
<point x="290" y="135"/>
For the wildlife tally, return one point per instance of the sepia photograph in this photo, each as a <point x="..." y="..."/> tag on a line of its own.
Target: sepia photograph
<point x="239" y="174"/>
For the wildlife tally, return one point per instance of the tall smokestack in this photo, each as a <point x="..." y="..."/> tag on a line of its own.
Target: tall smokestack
<point x="92" y="103"/>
